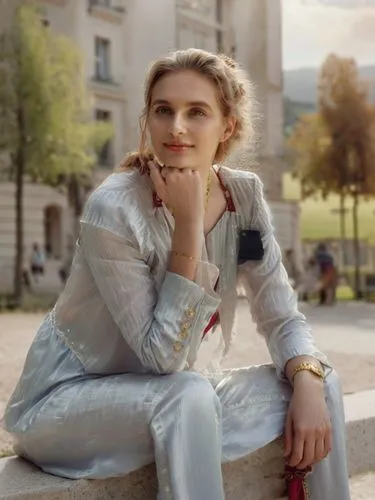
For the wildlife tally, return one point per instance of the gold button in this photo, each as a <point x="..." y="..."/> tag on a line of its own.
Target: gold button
<point x="183" y="335"/>
<point x="185" y="326"/>
<point x="177" y="346"/>
<point x="190" y="313"/>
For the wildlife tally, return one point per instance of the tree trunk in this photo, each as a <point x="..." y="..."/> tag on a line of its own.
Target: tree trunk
<point x="356" y="248"/>
<point x="19" y="180"/>
<point x="343" y="228"/>
<point x="75" y="202"/>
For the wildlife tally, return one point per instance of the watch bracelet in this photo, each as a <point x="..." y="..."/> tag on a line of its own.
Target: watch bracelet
<point x="311" y="367"/>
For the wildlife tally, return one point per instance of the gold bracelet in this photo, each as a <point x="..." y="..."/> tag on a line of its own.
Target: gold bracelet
<point x="311" y="367"/>
<point x="182" y="254"/>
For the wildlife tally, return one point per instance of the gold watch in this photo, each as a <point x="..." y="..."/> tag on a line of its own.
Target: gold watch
<point x="311" y="367"/>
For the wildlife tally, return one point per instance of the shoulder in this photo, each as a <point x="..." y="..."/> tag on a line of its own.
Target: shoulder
<point x="242" y="181"/>
<point x="120" y="198"/>
<point x="246" y="189"/>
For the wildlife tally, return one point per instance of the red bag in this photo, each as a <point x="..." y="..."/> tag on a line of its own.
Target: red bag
<point x="296" y="483"/>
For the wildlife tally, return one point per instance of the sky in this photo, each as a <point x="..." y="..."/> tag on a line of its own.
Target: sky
<point x="314" y="28"/>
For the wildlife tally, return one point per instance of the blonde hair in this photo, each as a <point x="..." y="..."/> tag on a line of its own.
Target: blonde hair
<point x="234" y="91"/>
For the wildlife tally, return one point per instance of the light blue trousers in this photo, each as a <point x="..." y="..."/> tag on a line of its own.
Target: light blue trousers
<point x="187" y="423"/>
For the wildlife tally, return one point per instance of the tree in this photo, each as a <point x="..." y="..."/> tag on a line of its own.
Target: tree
<point x="350" y="121"/>
<point x="314" y="165"/>
<point x="46" y="125"/>
<point x="335" y="148"/>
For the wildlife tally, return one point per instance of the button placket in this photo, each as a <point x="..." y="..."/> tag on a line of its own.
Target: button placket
<point x="183" y="335"/>
<point x="190" y="313"/>
<point x="177" y="346"/>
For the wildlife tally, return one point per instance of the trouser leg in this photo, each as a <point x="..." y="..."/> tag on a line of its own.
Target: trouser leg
<point x="254" y="407"/>
<point x="186" y="429"/>
<point x="329" y="479"/>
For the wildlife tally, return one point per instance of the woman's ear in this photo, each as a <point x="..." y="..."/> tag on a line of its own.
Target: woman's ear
<point x="229" y="128"/>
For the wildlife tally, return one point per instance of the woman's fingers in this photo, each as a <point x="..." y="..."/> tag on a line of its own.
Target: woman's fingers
<point x="297" y="450"/>
<point x="319" y="450"/>
<point x="328" y="440"/>
<point x="158" y="181"/>
<point x="288" y="444"/>
<point x="308" y="453"/>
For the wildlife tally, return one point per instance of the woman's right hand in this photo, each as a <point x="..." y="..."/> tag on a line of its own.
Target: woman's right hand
<point x="181" y="190"/>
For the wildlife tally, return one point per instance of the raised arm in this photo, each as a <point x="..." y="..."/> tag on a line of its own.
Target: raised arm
<point x="162" y="325"/>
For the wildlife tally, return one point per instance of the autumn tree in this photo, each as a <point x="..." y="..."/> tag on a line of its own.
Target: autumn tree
<point x="311" y="146"/>
<point x="350" y="121"/>
<point x="46" y="126"/>
<point x="335" y="148"/>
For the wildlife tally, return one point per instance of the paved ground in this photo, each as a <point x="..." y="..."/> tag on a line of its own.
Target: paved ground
<point x="363" y="487"/>
<point x="345" y="332"/>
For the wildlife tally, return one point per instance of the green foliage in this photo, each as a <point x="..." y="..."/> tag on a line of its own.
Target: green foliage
<point x="43" y="83"/>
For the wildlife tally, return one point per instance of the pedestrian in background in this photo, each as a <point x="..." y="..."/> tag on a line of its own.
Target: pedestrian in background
<point x="37" y="262"/>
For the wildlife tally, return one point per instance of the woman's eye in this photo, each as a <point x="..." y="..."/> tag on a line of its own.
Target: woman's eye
<point x="163" y="110"/>
<point x="197" y="112"/>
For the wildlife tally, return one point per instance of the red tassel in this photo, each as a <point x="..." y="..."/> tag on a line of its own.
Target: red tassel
<point x="296" y="483"/>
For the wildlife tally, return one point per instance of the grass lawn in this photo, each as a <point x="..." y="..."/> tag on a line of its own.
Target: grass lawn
<point x="318" y="221"/>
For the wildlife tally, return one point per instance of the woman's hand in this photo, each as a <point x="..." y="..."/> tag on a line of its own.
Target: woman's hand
<point x="308" y="427"/>
<point x="181" y="190"/>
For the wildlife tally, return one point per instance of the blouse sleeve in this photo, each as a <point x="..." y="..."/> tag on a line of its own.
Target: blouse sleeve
<point x="158" y="325"/>
<point x="273" y="302"/>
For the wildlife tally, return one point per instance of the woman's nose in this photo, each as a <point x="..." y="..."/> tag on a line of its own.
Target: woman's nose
<point x="178" y="126"/>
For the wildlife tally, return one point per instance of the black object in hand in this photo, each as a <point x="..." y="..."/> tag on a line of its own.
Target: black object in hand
<point x="250" y="246"/>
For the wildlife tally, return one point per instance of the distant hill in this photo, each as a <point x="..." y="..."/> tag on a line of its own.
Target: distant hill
<point x="293" y="110"/>
<point x="300" y="84"/>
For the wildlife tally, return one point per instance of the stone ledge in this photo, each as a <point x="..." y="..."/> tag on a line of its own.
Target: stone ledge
<point x="360" y="431"/>
<point x="261" y="473"/>
<point x="19" y="480"/>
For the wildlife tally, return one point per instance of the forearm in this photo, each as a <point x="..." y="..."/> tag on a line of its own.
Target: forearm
<point x="186" y="249"/>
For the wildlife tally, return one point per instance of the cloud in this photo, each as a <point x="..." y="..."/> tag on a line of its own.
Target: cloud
<point x="341" y="4"/>
<point x="314" y="28"/>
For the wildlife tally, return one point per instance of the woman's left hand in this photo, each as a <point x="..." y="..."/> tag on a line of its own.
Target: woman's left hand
<point x="308" y="426"/>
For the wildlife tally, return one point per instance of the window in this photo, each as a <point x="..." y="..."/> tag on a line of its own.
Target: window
<point x="219" y="20"/>
<point x="102" y="59"/>
<point x="105" y="156"/>
<point x="101" y="3"/>
<point x="219" y="11"/>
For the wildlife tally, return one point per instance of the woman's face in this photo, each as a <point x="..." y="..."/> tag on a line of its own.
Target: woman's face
<point x="185" y="121"/>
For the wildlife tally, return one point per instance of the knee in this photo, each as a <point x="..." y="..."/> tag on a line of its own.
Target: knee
<point x="193" y="393"/>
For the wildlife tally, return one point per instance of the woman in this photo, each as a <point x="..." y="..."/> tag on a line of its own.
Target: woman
<point x="109" y="383"/>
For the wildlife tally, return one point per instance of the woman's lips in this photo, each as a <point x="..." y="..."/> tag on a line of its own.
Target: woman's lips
<point x="178" y="148"/>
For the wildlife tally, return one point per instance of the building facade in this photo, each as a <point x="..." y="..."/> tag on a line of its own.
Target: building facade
<point x="119" y="40"/>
